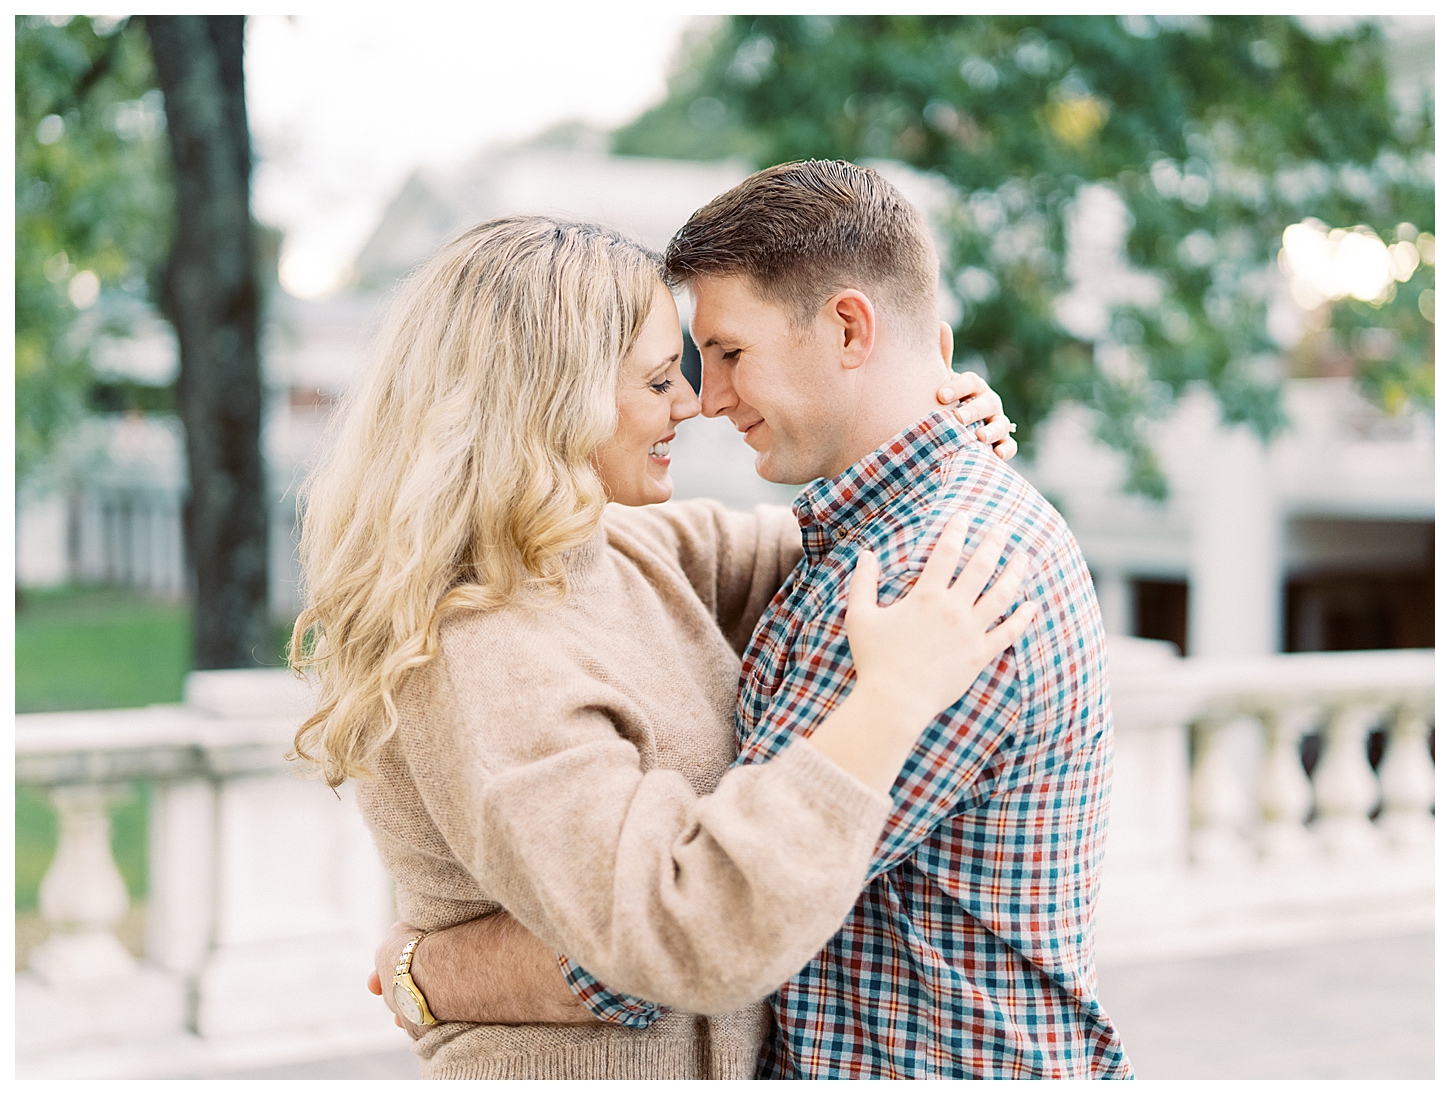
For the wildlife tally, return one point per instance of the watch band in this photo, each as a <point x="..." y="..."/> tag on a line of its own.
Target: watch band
<point x="403" y="980"/>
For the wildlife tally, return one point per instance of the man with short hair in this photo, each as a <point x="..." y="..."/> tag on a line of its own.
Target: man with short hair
<point x="970" y="952"/>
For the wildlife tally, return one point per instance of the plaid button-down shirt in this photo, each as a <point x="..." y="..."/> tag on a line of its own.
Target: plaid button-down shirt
<point x="970" y="951"/>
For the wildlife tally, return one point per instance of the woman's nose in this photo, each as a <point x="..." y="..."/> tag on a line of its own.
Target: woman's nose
<point x="687" y="405"/>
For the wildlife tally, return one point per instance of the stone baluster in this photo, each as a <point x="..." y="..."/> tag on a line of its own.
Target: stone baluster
<point x="1407" y="778"/>
<point x="1216" y="793"/>
<point x="1345" y="787"/>
<point x="82" y="896"/>
<point x="1285" y="794"/>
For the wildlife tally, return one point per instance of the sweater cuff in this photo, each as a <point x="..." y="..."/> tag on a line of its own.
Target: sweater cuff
<point x="828" y="787"/>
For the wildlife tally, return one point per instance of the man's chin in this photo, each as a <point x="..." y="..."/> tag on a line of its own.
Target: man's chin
<point x="775" y="470"/>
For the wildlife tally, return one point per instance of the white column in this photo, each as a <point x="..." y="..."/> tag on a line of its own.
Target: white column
<point x="40" y="551"/>
<point x="1407" y="777"/>
<point x="1220" y="790"/>
<point x="84" y="993"/>
<point x="175" y="547"/>
<point x="181" y="903"/>
<point x="301" y="900"/>
<point x="82" y="896"/>
<point x="140" y="537"/>
<point x="1115" y="600"/>
<point x="160" y="544"/>
<point x="1345" y="787"/>
<point x="1235" y="580"/>
<point x="91" y="537"/>
<point x="1285" y="794"/>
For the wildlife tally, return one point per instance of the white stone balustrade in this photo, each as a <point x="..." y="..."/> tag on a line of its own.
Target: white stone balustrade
<point x="1407" y="780"/>
<point x="1219" y="837"/>
<point x="1285" y="795"/>
<point x="265" y="897"/>
<point x="82" y="896"/>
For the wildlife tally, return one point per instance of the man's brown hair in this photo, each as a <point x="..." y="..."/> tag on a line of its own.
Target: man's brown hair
<point x="804" y="231"/>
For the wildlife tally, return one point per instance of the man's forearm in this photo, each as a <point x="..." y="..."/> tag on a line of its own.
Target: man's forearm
<point x="493" y="970"/>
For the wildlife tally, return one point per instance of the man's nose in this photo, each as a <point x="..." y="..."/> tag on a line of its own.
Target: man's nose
<point x="717" y="394"/>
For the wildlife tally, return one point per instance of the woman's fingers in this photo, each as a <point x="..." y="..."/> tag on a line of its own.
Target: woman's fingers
<point x="962" y="386"/>
<point x="1012" y="628"/>
<point x="974" y="576"/>
<point x="865" y="581"/>
<point x="985" y="408"/>
<point x="994" y="430"/>
<point x="995" y="601"/>
<point x="976" y="402"/>
<point x="941" y="564"/>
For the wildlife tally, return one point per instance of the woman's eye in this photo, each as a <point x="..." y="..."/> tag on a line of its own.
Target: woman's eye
<point x="661" y="387"/>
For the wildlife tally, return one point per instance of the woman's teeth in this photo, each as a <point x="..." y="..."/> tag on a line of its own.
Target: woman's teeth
<point x="660" y="449"/>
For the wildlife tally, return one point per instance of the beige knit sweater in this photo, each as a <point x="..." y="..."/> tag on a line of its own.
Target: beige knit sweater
<point x="565" y="761"/>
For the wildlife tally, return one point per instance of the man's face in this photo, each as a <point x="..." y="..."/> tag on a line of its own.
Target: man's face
<point x="778" y="382"/>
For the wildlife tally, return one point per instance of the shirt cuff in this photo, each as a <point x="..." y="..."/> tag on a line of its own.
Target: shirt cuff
<point x="606" y="1004"/>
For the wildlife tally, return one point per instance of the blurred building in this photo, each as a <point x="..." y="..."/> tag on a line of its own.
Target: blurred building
<point x="1321" y="541"/>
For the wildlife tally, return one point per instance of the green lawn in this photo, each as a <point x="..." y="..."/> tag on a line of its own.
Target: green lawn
<point x="84" y="648"/>
<point x="78" y="649"/>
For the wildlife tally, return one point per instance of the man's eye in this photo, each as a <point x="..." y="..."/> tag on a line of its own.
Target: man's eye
<point x="730" y="355"/>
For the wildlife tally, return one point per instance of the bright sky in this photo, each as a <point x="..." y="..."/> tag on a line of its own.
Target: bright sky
<point x="343" y="107"/>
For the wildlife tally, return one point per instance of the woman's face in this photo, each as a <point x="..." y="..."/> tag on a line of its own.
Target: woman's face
<point x="653" y="398"/>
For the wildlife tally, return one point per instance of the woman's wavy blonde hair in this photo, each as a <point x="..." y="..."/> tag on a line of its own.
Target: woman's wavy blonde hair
<point x="460" y="471"/>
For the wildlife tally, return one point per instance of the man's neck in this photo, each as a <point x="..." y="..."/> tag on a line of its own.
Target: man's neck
<point x="888" y="402"/>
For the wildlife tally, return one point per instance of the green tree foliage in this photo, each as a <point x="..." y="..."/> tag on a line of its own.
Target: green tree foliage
<point x="92" y="206"/>
<point x="1215" y="133"/>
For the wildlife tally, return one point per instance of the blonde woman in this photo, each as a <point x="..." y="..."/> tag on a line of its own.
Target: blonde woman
<point x="535" y="690"/>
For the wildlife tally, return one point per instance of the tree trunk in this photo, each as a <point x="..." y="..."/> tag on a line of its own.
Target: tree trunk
<point x="210" y="293"/>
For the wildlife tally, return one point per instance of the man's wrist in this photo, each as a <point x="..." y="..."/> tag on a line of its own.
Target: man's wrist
<point x="407" y="992"/>
<point x="419" y="971"/>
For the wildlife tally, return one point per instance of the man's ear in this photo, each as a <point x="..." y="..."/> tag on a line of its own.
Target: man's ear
<point x="946" y="345"/>
<point x="854" y="316"/>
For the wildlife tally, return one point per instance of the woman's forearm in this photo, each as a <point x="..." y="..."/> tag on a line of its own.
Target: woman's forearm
<point x="493" y="970"/>
<point x="870" y="734"/>
<point x="703" y="904"/>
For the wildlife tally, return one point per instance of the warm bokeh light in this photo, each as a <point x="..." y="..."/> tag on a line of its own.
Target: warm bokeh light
<point x="308" y="274"/>
<point x="1326" y="264"/>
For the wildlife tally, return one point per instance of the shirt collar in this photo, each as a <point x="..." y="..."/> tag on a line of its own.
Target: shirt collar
<point x="829" y="509"/>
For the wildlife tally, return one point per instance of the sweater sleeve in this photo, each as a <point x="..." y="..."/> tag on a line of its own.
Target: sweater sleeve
<point x="702" y="903"/>
<point x="735" y="561"/>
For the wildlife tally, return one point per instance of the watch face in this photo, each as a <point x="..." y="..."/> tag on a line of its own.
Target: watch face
<point x="407" y="1006"/>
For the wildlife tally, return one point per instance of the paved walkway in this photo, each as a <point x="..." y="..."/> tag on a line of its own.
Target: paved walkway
<point x="1352" y="1010"/>
<point x="1360" y="1009"/>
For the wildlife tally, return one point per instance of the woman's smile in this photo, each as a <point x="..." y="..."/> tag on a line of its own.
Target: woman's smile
<point x="652" y="395"/>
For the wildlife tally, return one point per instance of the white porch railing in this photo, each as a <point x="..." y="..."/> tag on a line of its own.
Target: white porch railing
<point x="1218" y="837"/>
<point x="266" y="898"/>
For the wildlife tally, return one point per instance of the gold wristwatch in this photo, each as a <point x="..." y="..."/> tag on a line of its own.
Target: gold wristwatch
<point x="406" y="996"/>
